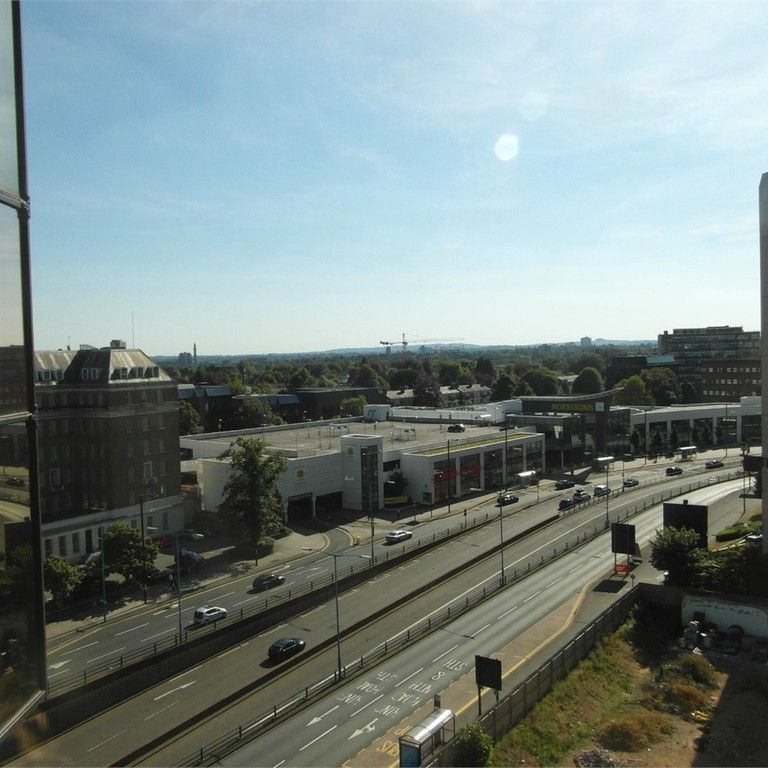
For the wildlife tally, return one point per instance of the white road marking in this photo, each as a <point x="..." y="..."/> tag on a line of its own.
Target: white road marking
<point x="159" y="634"/>
<point x="477" y="632"/>
<point x="381" y="578"/>
<point x="532" y="596"/>
<point x="132" y="629"/>
<point x="318" y="738"/>
<point x="277" y="765"/>
<point x="506" y="613"/>
<point x="272" y="629"/>
<point x="187" y="672"/>
<point x="168" y="706"/>
<point x="101" y="744"/>
<point x="59" y="664"/>
<point x="367" y="705"/>
<point x="445" y="654"/>
<point x="226" y="594"/>
<point x="552" y="583"/>
<point x="249" y="600"/>
<point x="314" y="610"/>
<point x="80" y="648"/>
<point x="318" y="718"/>
<point x="111" y="653"/>
<point x="405" y="680"/>
<point x="178" y="688"/>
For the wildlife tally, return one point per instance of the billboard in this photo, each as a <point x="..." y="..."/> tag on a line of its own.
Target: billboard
<point x="685" y="515"/>
<point x="623" y="539"/>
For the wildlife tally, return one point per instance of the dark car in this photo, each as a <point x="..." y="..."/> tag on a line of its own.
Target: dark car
<point x="189" y="561"/>
<point x="567" y="504"/>
<point x="674" y="471"/>
<point x="285" y="647"/>
<point x="630" y="482"/>
<point x="267" y="581"/>
<point x="714" y="464"/>
<point x="506" y="498"/>
<point x="561" y="485"/>
<point x="17" y="482"/>
<point x="456" y="427"/>
<point x="157" y="576"/>
<point x="628" y="457"/>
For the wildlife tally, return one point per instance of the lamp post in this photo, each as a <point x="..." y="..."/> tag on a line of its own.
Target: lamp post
<point x="506" y="448"/>
<point x="607" y="495"/>
<point x="178" y="576"/>
<point x="142" y="499"/>
<point x="645" y="436"/>
<point x="501" y="539"/>
<point x="449" y="478"/>
<point x="336" y="596"/>
<point x="103" y="578"/>
<point x="725" y="429"/>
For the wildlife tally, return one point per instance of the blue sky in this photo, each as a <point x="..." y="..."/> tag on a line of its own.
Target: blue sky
<point x="296" y="176"/>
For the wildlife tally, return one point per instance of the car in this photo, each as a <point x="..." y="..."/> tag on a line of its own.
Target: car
<point x="506" y="498"/>
<point x="285" y="647"/>
<point x="190" y="535"/>
<point x="669" y="454"/>
<point x="561" y="485"/>
<point x="581" y="495"/>
<point x="628" y="457"/>
<point x="754" y="539"/>
<point x="208" y="614"/>
<point x="567" y="504"/>
<point x="602" y="490"/>
<point x="456" y="427"/>
<point x="267" y="581"/>
<point x="16" y="482"/>
<point x="189" y="561"/>
<point x="714" y="464"/>
<point x="631" y="482"/>
<point x="157" y="576"/>
<point x="674" y="471"/>
<point x="400" y="535"/>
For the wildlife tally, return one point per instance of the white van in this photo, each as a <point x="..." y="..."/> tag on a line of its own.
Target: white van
<point x="601" y="490"/>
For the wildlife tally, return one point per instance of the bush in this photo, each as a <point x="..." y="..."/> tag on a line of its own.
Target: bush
<point x="265" y="546"/>
<point x="732" y="532"/>
<point x="684" y="697"/>
<point x="473" y="746"/>
<point x="635" y="731"/>
<point x="697" y="669"/>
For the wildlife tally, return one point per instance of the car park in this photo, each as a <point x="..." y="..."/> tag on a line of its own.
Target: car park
<point x="208" y="614"/>
<point x="561" y="485"/>
<point x="507" y="498"/>
<point x="714" y="464"/>
<point x="267" y="581"/>
<point x="631" y="482"/>
<point x="400" y="535"/>
<point x="602" y="490"/>
<point x="567" y="504"/>
<point x="581" y="495"/>
<point x="456" y="427"/>
<point x="285" y="647"/>
<point x="674" y="471"/>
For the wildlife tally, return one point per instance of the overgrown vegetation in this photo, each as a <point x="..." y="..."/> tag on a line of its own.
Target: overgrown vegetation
<point x="624" y="696"/>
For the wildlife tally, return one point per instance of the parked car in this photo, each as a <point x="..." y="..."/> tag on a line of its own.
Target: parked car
<point x="16" y="482"/>
<point x="754" y="539"/>
<point x="581" y="495"/>
<point x="208" y="614"/>
<point x="267" y="581"/>
<point x="714" y="464"/>
<point x="189" y="561"/>
<point x="628" y="457"/>
<point x="630" y="482"/>
<point x="285" y="647"/>
<point x="561" y="485"/>
<point x="190" y="535"/>
<point x="567" y="504"/>
<point x="456" y="427"/>
<point x="602" y="490"/>
<point x="157" y="576"/>
<point x="674" y="471"/>
<point x="506" y="498"/>
<point x="400" y="535"/>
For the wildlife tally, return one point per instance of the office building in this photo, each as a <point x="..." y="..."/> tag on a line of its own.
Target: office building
<point x="729" y="380"/>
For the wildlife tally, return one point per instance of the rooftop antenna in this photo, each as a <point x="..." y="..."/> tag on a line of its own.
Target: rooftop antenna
<point x="133" y="334"/>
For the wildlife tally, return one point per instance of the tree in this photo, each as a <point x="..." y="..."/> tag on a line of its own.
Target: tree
<point x="426" y="391"/>
<point x="254" y="413"/>
<point x="473" y="746"/>
<point x="353" y="406"/>
<point x="300" y="379"/>
<point x="189" y="419"/>
<point x="125" y="554"/>
<point x="633" y="392"/>
<point x="542" y="381"/>
<point x="61" y="578"/>
<point x="522" y="389"/>
<point x="251" y="496"/>
<point x="398" y="482"/>
<point x="484" y="371"/>
<point x="502" y="388"/>
<point x="663" y="385"/>
<point x="676" y="550"/>
<point x="588" y="382"/>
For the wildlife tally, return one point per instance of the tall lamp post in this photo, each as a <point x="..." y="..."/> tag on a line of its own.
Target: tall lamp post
<point x="178" y="576"/>
<point x="501" y="539"/>
<point x="607" y="495"/>
<point x="103" y="578"/>
<point x="142" y="499"/>
<point x="449" y="478"/>
<point x="336" y="596"/>
<point x="506" y="449"/>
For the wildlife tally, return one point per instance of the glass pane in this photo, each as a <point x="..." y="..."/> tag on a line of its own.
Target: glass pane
<point x="12" y="376"/>
<point x="19" y="589"/>
<point x="9" y="171"/>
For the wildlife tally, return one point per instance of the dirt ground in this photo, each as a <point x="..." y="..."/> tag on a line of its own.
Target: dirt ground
<point x="734" y="734"/>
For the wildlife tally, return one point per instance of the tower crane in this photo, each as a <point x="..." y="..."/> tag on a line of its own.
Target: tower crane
<point x="405" y="342"/>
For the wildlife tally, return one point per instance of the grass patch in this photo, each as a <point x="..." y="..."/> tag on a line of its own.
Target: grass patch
<point x="731" y="532"/>
<point x="693" y="667"/>
<point x="635" y="731"/>
<point x="684" y="698"/>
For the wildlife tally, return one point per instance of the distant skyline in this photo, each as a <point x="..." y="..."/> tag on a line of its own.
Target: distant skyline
<point x="265" y="177"/>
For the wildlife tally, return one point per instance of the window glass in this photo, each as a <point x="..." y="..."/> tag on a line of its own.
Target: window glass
<point x="9" y="172"/>
<point x="12" y="372"/>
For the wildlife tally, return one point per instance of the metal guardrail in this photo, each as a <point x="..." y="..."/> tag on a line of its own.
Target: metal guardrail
<point x="211" y="753"/>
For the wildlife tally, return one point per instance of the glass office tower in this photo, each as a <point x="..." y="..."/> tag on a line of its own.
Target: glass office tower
<point x="22" y="625"/>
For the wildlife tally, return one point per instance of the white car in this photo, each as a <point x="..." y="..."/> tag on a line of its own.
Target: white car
<point x="394" y="536"/>
<point x="209" y="613"/>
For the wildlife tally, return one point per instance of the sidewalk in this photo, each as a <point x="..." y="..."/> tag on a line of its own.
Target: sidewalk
<point x="222" y="563"/>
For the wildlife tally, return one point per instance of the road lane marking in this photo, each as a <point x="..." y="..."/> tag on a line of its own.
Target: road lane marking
<point x="476" y="633"/>
<point x="272" y="629"/>
<point x="187" y="672"/>
<point x="168" y="706"/>
<point x="277" y="765"/>
<point x="250" y="599"/>
<point x="318" y="718"/>
<point x="226" y="594"/>
<point x="173" y="690"/>
<point x="132" y="629"/>
<point x="410" y="676"/>
<point x="318" y="738"/>
<point x="381" y="578"/>
<point x="506" y="613"/>
<point x="111" y="653"/>
<point x="314" y="610"/>
<point x="367" y="705"/>
<point x="552" y="583"/>
<point x="80" y="648"/>
<point x="59" y="664"/>
<point x="532" y="596"/>
<point x="445" y="654"/>
<point x="159" y="634"/>
<point x="101" y="744"/>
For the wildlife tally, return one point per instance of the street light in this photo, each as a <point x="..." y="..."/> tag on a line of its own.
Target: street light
<point x="142" y="499"/>
<point x="607" y="494"/>
<point x="336" y="595"/>
<point x="501" y="537"/>
<point x="178" y="575"/>
<point x="103" y="578"/>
